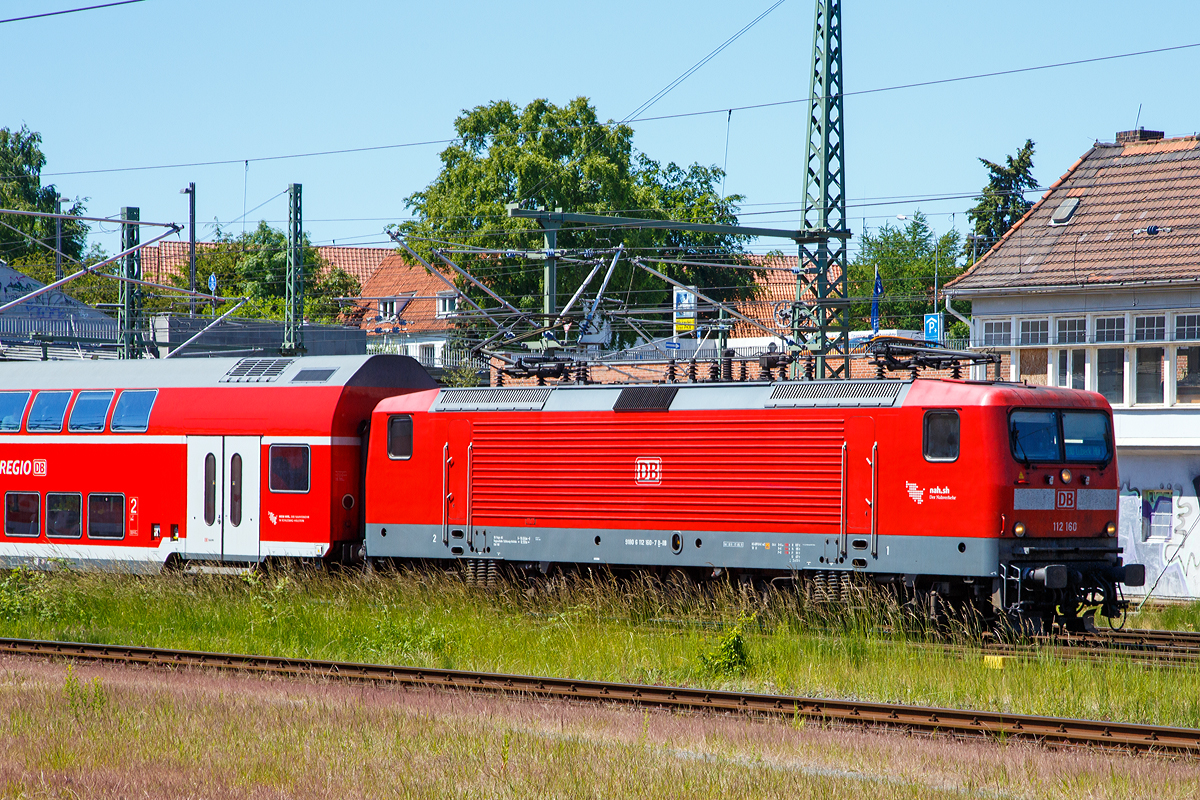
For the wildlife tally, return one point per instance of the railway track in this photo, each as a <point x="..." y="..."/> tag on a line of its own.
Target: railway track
<point x="1052" y="731"/>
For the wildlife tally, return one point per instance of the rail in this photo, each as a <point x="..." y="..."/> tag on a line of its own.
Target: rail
<point x="919" y="719"/>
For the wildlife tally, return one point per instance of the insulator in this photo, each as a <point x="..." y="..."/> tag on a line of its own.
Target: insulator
<point x="745" y="371"/>
<point x="671" y="374"/>
<point x="809" y="369"/>
<point x="692" y="371"/>
<point x="879" y="369"/>
<point x="714" y="372"/>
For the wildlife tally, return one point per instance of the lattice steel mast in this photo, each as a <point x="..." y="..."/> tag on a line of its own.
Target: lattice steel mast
<point x="820" y="315"/>
<point x="293" y="319"/>
<point x="130" y="316"/>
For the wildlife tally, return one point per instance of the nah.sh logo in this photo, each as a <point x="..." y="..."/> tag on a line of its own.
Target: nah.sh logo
<point x="271" y="516"/>
<point x="1064" y="498"/>
<point x="648" y="471"/>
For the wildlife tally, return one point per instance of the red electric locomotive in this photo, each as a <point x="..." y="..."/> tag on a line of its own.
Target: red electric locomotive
<point x="1003" y="495"/>
<point x="133" y="464"/>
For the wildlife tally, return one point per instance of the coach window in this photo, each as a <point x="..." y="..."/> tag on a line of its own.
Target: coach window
<point x="64" y="515"/>
<point x="132" y="413"/>
<point x="22" y="514"/>
<point x="90" y="411"/>
<point x="47" y="412"/>
<point x="12" y="410"/>
<point x="941" y="435"/>
<point x="400" y="436"/>
<point x="235" y="489"/>
<point x="289" y="468"/>
<point x="210" y="489"/>
<point x="106" y="516"/>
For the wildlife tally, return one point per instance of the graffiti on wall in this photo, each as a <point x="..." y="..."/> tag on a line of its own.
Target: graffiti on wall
<point x="1158" y="528"/>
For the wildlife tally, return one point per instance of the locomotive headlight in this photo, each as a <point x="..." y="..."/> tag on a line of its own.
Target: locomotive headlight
<point x="1111" y="529"/>
<point x="1065" y="475"/>
<point x="1019" y="529"/>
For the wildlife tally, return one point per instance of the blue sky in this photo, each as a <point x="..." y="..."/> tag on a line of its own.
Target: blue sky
<point x="168" y="82"/>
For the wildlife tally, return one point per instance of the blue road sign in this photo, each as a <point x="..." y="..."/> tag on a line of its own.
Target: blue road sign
<point x="212" y="283"/>
<point x="933" y="327"/>
<point x="672" y="345"/>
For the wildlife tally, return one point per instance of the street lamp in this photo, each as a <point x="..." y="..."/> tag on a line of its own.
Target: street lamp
<point x="190" y="191"/>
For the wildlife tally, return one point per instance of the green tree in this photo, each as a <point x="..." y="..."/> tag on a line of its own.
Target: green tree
<point x="254" y="265"/>
<point x="905" y="257"/>
<point x="564" y="157"/>
<point x="1002" y="201"/>
<point x="21" y="163"/>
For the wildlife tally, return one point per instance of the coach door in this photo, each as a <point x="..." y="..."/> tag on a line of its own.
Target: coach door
<point x="223" y="497"/>
<point x="456" y="476"/>
<point x="861" y="471"/>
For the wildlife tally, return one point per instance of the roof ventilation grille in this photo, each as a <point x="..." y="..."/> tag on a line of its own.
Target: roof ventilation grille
<point x="645" y="398"/>
<point x="517" y="398"/>
<point x="313" y="375"/>
<point x="257" y="370"/>
<point x="836" y="393"/>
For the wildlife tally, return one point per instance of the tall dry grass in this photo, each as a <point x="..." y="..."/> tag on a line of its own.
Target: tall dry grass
<point x="596" y="627"/>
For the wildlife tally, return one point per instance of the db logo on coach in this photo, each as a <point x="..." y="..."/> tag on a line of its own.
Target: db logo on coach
<point x="648" y="471"/>
<point x="1064" y="499"/>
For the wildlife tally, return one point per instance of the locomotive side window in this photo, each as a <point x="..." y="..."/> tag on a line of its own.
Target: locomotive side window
<point x="235" y="489"/>
<point x="400" y="436"/>
<point x="64" y="515"/>
<point x="941" y="435"/>
<point x="47" y="412"/>
<point x="22" y="514"/>
<point x="12" y="410"/>
<point x="1086" y="436"/>
<point x="289" y="468"/>
<point x="106" y="516"/>
<point x="133" y="411"/>
<point x="90" y="411"/>
<point x="210" y="489"/>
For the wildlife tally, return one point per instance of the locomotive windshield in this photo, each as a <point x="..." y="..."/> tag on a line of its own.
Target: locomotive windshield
<point x="1069" y="436"/>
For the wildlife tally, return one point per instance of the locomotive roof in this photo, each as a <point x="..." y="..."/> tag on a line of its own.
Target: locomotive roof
<point x="781" y="394"/>
<point x="385" y="371"/>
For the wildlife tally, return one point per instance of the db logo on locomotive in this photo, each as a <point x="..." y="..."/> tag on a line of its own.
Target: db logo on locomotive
<point x="647" y="471"/>
<point x="1064" y="498"/>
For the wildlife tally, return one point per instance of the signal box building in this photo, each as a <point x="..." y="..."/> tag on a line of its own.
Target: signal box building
<point x="1098" y="288"/>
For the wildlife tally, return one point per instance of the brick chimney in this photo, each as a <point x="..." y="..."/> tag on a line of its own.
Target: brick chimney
<point x="1140" y="135"/>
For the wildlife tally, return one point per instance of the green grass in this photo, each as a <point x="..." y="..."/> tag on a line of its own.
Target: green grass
<point x="628" y="631"/>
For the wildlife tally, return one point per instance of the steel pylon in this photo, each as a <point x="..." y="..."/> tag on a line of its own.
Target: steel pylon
<point x="820" y="315"/>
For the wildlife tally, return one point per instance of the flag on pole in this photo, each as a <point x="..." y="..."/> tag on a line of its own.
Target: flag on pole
<point x="875" y="302"/>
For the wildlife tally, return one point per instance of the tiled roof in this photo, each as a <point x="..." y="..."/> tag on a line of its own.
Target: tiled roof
<point x="417" y="290"/>
<point x="776" y="291"/>
<point x="160" y="261"/>
<point x="1122" y="190"/>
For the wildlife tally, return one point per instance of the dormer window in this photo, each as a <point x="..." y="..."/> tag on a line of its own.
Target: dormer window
<point x="447" y="304"/>
<point x="387" y="308"/>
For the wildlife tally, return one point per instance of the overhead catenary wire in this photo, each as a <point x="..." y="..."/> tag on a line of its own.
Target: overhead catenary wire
<point x="661" y="117"/>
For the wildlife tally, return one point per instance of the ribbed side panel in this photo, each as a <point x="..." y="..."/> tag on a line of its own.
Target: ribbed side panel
<point x="829" y="392"/>
<point x="710" y="474"/>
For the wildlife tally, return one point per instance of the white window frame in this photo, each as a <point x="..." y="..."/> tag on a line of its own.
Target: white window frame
<point x="445" y="299"/>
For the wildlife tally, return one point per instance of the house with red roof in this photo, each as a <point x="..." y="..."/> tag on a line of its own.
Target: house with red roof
<point x="408" y="310"/>
<point x="1097" y="287"/>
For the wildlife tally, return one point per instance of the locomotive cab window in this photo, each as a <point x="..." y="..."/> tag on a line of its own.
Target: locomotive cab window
<point x="12" y="410"/>
<point x="1040" y="435"/>
<point x="64" y="515"/>
<point x="400" y="436"/>
<point x="22" y="514"/>
<point x="90" y="411"/>
<point x="106" y="516"/>
<point x="289" y="468"/>
<point x="941" y="435"/>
